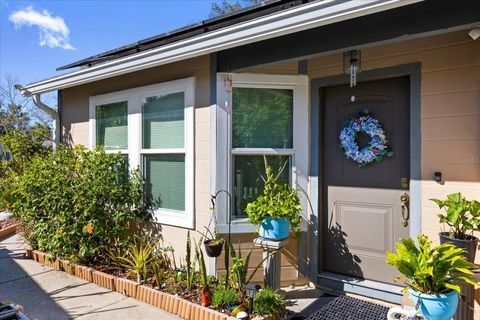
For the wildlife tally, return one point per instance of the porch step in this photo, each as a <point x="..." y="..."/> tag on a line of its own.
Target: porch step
<point x="372" y="289"/>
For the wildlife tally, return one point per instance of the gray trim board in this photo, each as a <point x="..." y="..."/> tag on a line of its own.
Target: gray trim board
<point x="401" y="23"/>
<point x="316" y="153"/>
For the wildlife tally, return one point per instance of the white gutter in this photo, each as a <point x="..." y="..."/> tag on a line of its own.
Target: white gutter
<point x="37" y="100"/>
<point x="297" y="19"/>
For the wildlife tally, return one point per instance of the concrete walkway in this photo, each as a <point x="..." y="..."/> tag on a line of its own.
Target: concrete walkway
<point x="48" y="294"/>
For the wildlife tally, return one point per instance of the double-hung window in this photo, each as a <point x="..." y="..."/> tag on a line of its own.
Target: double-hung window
<point x="154" y="125"/>
<point x="262" y="129"/>
<point x="266" y="118"/>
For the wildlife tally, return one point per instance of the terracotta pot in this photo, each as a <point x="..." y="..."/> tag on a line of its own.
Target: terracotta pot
<point x="83" y="272"/>
<point x="126" y="287"/>
<point x="103" y="279"/>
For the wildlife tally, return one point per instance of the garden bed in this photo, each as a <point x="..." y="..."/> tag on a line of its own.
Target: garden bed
<point x="171" y="303"/>
<point x="8" y="227"/>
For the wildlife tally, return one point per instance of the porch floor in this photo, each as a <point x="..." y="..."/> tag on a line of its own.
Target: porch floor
<point x="303" y="301"/>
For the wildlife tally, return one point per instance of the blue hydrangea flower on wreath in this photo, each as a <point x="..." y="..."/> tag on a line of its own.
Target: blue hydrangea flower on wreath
<point x="375" y="151"/>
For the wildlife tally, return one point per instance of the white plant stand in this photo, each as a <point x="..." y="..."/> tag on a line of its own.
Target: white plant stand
<point x="271" y="265"/>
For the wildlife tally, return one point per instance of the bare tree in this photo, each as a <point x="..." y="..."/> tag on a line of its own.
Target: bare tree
<point x="222" y="7"/>
<point x="17" y="111"/>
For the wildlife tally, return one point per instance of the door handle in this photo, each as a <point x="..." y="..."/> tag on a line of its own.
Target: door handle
<point x="404" y="200"/>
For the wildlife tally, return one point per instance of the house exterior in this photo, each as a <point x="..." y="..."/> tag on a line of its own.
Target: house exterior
<point x="198" y="108"/>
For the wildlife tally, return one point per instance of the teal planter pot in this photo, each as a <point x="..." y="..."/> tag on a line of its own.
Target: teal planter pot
<point x="436" y="306"/>
<point x="275" y="229"/>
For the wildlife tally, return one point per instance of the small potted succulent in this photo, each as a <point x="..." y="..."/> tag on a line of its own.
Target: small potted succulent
<point x="432" y="275"/>
<point x="277" y="209"/>
<point x="463" y="218"/>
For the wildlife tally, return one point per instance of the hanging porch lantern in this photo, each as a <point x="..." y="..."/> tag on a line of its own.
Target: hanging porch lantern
<point x="352" y="65"/>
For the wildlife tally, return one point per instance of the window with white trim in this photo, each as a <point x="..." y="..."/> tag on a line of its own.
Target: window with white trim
<point x="257" y="115"/>
<point x="154" y="126"/>
<point x="262" y="125"/>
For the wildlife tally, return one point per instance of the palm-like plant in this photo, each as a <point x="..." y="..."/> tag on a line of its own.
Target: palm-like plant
<point x="431" y="270"/>
<point x="241" y="266"/>
<point x="138" y="258"/>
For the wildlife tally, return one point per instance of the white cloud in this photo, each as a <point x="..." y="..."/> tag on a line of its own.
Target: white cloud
<point x="53" y="30"/>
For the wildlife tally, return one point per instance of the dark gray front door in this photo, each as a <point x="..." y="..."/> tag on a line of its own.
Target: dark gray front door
<point x="362" y="206"/>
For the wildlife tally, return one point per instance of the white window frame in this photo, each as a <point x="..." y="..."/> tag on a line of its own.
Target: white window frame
<point x="223" y="136"/>
<point x="134" y="98"/>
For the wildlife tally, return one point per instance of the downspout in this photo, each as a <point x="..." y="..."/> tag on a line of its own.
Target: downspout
<point x="37" y="100"/>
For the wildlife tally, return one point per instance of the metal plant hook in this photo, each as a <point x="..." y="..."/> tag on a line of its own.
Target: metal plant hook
<point x="227" y="246"/>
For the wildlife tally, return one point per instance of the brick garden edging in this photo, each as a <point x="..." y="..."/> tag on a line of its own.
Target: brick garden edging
<point x="168" y="302"/>
<point x="8" y="231"/>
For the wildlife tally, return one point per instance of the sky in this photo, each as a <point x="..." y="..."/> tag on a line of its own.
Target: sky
<point x="36" y="37"/>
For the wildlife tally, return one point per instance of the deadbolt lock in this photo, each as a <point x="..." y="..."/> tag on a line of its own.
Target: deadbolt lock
<point x="404" y="183"/>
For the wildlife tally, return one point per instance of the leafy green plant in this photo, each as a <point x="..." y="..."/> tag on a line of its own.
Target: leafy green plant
<point x="158" y="272"/>
<point x="461" y="215"/>
<point x="225" y="298"/>
<point x="190" y="265"/>
<point x="430" y="270"/>
<point x="241" y="266"/>
<point x="277" y="201"/>
<point x="76" y="203"/>
<point x="268" y="303"/>
<point x="206" y="292"/>
<point x="139" y="258"/>
<point x="22" y="146"/>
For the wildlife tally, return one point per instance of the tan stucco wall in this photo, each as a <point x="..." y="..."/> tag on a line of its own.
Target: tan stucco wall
<point x="74" y="113"/>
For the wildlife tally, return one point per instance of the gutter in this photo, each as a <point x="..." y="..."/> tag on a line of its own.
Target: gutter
<point x="308" y="16"/>
<point x="37" y="101"/>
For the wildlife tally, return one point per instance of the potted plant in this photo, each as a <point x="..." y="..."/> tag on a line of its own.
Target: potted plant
<point x="432" y="275"/>
<point x="277" y="209"/>
<point x="463" y="218"/>
<point x="213" y="243"/>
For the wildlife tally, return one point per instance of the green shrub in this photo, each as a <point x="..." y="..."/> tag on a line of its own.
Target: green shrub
<point x="225" y="298"/>
<point x="22" y="147"/>
<point x="76" y="203"/>
<point x="268" y="303"/>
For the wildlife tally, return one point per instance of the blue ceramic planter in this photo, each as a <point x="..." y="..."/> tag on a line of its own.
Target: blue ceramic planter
<point x="275" y="229"/>
<point x="436" y="306"/>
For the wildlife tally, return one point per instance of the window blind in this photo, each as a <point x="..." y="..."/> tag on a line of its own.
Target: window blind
<point x="112" y="125"/>
<point x="165" y="181"/>
<point x="163" y="121"/>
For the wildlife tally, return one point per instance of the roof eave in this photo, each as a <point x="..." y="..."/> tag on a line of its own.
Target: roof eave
<point x="293" y="20"/>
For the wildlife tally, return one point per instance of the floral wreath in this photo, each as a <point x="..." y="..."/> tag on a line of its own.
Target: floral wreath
<point x="375" y="150"/>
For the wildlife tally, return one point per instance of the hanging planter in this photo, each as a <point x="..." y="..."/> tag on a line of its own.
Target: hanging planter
<point x="213" y="247"/>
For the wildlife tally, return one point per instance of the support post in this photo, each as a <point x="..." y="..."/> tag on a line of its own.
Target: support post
<point x="272" y="251"/>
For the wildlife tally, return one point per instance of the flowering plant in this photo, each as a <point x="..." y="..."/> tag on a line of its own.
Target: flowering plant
<point x="375" y="150"/>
